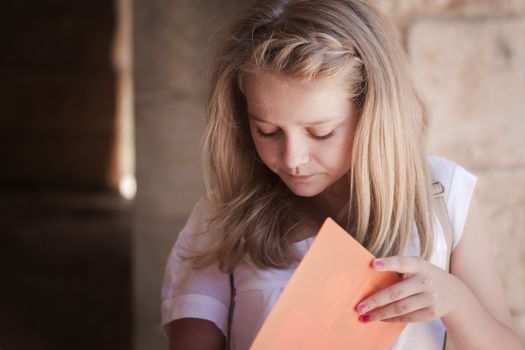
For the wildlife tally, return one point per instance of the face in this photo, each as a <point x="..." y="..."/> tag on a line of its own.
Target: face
<point x="303" y="131"/>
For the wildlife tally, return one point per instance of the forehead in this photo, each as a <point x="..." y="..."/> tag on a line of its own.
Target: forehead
<point x="276" y="80"/>
<point x="275" y="97"/>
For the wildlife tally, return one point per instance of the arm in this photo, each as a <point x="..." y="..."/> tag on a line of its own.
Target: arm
<point x="470" y="300"/>
<point x="195" y="334"/>
<point x="194" y="302"/>
<point x="483" y="320"/>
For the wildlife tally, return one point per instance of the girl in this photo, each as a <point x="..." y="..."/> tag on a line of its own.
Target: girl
<point x="312" y="114"/>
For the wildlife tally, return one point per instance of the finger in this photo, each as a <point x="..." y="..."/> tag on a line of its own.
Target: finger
<point x="422" y="315"/>
<point x="400" y="308"/>
<point x="395" y="292"/>
<point x="400" y="264"/>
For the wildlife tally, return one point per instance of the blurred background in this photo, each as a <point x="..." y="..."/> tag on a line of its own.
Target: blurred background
<point x="103" y="109"/>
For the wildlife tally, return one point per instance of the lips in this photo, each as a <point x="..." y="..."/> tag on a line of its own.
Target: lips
<point x="299" y="177"/>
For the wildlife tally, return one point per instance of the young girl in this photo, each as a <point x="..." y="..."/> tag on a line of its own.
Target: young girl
<point x="312" y="114"/>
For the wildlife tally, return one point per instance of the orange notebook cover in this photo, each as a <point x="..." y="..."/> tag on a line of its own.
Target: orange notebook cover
<point x="317" y="309"/>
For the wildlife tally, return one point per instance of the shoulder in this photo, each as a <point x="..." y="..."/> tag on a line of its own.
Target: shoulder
<point x="447" y="171"/>
<point x="202" y="211"/>
<point x="194" y="293"/>
<point x="451" y="175"/>
<point x="195" y="232"/>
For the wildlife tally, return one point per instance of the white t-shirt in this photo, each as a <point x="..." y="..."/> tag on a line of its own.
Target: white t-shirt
<point x="206" y="293"/>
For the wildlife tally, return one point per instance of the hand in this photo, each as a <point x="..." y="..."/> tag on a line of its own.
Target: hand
<point x="426" y="292"/>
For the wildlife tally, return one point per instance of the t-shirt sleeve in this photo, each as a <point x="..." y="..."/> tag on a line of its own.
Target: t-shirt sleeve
<point x="190" y="293"/>
<point x="459" y="189"/>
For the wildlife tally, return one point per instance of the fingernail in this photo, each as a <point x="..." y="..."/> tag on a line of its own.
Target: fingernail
<point x="362" y="308"/>
<point x="378" y="264"/>
<point x="366" y="318"/>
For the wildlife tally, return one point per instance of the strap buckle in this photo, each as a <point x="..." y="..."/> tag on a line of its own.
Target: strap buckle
<point x="438" y="189"/>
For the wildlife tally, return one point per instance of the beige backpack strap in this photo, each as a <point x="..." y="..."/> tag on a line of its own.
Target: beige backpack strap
<point x="230" y="313"/>
<point x="438" y="192"/>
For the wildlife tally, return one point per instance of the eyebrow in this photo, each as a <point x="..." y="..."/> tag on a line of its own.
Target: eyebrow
<point x="317" y="122"/>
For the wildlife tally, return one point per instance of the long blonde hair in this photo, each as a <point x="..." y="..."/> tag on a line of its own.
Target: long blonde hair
<point x="254" y="212"/>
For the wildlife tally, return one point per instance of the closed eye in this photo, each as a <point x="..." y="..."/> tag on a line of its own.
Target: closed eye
<point x="277" y="132"/>
<point x="323" y="137"/>
<point x="268" y="134"/>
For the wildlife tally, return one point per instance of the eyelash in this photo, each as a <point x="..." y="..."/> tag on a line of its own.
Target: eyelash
<point x="276" y="133"/>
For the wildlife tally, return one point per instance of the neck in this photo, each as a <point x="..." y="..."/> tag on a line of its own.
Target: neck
<point x="331" y="201"/>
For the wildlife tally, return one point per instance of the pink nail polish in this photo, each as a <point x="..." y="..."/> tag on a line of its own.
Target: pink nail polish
<point x="378" y="264"/>
<point x="362" y="308"/>
<point x="366" y="318"/>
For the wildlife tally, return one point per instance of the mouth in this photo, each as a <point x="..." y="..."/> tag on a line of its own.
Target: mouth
<point x="299" y="177"/>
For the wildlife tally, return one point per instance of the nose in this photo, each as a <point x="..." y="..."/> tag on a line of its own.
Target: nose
<point x="295" y="154"/>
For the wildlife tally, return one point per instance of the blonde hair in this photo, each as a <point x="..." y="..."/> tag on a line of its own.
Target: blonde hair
<point x="254" y="212"/>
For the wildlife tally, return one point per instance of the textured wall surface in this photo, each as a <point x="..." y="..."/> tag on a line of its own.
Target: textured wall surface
<point x="469" y="59"/>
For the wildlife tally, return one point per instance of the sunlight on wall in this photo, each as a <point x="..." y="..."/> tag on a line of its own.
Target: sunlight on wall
<point x="128" y="186"/>
<point x="122" y="58"/>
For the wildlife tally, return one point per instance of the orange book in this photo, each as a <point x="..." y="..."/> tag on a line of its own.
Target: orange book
<point x="317" y="309"/>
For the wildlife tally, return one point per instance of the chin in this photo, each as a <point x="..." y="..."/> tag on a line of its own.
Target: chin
<point x="304" y="191"/>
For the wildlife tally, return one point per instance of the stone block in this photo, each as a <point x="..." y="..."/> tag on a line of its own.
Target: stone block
<point x="58" y="41"/>
<point x="61" y="161"/>
<point x="80" y="102"/>
<point x="148" y="336"/>
<point x="58" y="7"/>
<point x="57" y="129"/>
<point x="473" y="74"/>
<point x="168" y="156"/>
<point x="410" y="9"/>
<point x="168" y="50"/>
<point x="174" y="43"/>
<point x="502" y="197"/>
<point x="65" y="267"/>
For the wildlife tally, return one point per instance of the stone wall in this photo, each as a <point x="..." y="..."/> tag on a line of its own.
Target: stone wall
<point x="64" y="231"/>
<point x="469" y="59"/>
<point x="57" y="129"/>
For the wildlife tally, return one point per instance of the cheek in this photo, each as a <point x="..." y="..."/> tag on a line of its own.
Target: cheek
<point x="330" y="157"/>
<point x="267" y="151"/>
<point x="336" y="155"/>
<point x="346" y="155"/>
